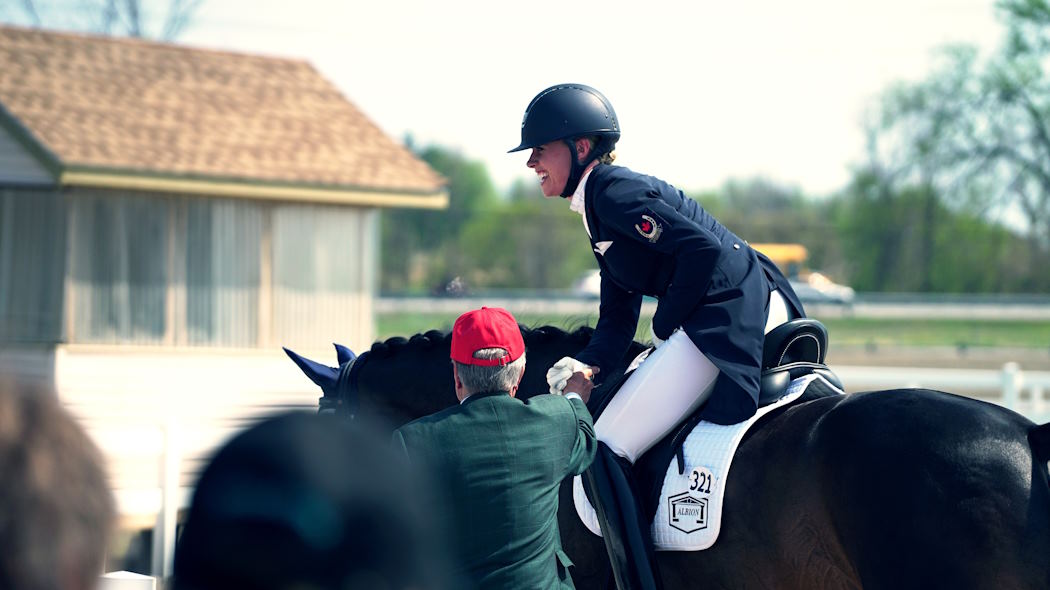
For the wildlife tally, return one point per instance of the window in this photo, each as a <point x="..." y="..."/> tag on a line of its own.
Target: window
<point x="196" y="271"/>
<point x="221" y="266"/>
<point x="322" y="280"/>
<point x="119" y="271"/>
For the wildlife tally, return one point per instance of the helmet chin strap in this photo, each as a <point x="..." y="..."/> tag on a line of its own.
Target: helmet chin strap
<point x="576" y="169"/>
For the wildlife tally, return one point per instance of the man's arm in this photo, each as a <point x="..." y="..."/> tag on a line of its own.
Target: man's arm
<point x="578" y="391"/>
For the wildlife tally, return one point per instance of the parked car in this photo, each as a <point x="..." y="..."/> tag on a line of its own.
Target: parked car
<point x="817" y="288"/>
<point x="589" y="285"/>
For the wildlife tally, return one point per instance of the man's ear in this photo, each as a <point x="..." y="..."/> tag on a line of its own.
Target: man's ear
<point x="514" y="390"/>
<point x="583" y="148"/>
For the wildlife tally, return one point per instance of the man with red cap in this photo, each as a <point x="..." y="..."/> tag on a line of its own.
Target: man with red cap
<point x="501" y="460"/>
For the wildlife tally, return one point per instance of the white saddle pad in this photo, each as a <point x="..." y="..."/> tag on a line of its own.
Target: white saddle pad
<point x="689" y="515"/>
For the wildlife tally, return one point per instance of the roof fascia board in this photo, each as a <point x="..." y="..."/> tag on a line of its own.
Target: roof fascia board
<point x="219" y="188"/>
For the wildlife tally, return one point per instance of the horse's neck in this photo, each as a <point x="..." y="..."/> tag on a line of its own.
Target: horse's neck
<point x="406" y="379"/>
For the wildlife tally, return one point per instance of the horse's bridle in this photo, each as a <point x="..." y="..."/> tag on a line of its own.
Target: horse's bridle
<point x="343" y="404"/>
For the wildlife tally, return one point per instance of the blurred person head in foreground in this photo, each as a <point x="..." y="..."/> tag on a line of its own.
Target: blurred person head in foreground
<point x="56" y="507"/>
<point x="308" y="501"/>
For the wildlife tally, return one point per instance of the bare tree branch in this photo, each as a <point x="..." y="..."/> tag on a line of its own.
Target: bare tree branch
<point x="109" y="16"/>
<point x="180" y="13"/>
<point x="30" y="9"/>
<point x="1038" y="123"/>
<point x="134" y="17"/>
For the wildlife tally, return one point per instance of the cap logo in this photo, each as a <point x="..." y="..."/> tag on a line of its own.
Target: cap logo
<point x="649" y="229"/>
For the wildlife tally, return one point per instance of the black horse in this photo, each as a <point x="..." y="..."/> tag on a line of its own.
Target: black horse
<point x="909" y="488"/>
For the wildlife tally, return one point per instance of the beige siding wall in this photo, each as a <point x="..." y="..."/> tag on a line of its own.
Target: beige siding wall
<point x="129" y="399"/>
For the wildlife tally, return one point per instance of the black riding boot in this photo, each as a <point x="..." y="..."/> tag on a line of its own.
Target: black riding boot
<point x="626" y="534"/>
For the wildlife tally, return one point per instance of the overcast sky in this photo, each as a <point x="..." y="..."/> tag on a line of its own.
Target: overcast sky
<point x="705" y="91"/>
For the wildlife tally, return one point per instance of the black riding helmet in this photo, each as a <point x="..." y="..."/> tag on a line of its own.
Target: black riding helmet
<point x="566" y="112"/>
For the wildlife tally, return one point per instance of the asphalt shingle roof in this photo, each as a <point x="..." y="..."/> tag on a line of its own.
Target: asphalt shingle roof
<point x="138" y="107"/>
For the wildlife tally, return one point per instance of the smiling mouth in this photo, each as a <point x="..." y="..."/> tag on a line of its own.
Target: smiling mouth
<point x="543" y="176"/>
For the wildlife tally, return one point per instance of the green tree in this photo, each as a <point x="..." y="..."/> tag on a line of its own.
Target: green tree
<point x="882" y="231"/>
<point x="419" y="249"/>
<point x="972" y="137"/>
<point x="760" y="211"/>
<point x="528" y="244"/>
<point x="1017" y="147"/>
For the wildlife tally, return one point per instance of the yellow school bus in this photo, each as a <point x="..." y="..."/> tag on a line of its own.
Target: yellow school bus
<point x="810" y="286"/>
<point x="791" y="258"/>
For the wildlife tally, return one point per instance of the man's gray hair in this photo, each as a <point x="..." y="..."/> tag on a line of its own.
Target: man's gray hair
<point x="477" y="379"/>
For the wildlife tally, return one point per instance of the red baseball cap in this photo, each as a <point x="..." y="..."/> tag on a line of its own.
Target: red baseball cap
<point x="488" y="327"/>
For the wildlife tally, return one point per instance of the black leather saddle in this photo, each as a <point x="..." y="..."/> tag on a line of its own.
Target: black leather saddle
<point x="792" y="350"/>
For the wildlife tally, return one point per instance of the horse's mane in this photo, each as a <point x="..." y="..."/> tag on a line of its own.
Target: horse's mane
<point x="425" y="341"/>
<point x="438" y="338"/>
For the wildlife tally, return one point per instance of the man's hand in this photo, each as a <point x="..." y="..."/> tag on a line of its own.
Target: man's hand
<point x="560" y="372"/>
<point x="581" y="384"/>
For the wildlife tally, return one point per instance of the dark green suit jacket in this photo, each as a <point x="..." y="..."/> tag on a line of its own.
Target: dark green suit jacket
<point x="499" y="462"/>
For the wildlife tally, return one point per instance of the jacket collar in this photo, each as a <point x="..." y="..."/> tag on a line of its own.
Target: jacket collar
<point x="475" y="396"/>
<point x="590" y="217"/>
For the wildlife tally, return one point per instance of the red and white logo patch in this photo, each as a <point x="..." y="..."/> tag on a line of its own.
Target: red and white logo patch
<point x="649" y="228"/>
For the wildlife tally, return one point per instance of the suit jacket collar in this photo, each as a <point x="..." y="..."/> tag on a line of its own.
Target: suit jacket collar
<point x="476" y="396"/>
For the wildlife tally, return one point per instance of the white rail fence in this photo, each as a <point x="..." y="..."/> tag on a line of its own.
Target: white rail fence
<point x="1024" y="392"/>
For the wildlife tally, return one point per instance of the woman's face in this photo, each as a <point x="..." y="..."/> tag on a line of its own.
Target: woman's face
<point x="551" y="163"/>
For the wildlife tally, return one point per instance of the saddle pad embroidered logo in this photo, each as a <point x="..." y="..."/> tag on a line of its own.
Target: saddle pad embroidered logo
<point x="689" y="514"/>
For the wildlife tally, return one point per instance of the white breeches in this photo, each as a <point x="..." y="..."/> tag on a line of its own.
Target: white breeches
<point x="671" y="384"/>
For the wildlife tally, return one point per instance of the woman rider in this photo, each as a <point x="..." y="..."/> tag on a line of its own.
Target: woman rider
<point x="717" y="299"/>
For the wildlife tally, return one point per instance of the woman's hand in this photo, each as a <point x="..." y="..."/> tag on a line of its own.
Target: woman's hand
<point x="558" y="375"/>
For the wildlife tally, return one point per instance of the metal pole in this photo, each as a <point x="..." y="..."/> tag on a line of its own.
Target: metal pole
<point x="164" y="531"/>
<point x="1011" y="384"/>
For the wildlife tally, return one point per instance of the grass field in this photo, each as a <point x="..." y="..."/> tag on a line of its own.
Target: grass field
<point x="842" y="331"/>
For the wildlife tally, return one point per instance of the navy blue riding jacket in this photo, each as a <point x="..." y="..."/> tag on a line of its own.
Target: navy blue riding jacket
<point x="650" y="239"/>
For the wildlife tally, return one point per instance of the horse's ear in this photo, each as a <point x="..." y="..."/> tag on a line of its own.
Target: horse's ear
<point x="324" y="376"/>
<point x="343" y="354"/>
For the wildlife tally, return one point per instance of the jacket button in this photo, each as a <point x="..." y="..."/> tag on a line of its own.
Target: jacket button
<point x="736" y="246"/>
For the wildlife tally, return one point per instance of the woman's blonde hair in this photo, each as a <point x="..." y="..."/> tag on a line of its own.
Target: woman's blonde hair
<point x="607" y="157"/>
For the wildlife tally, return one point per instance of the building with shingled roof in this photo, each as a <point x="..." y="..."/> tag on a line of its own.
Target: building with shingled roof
<point x="170" y="217"/>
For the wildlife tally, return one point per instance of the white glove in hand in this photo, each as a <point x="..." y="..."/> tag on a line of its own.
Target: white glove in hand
<point x="560" y="372"/>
